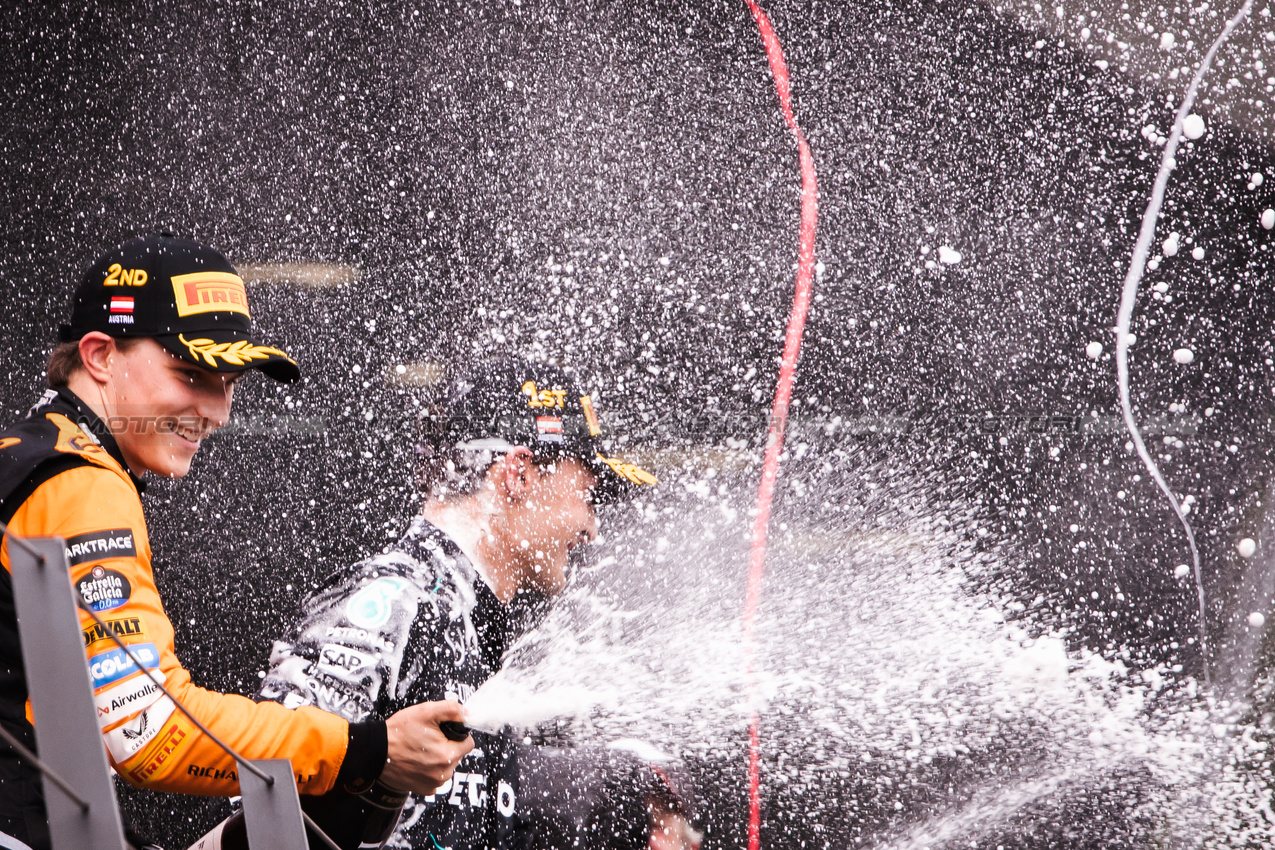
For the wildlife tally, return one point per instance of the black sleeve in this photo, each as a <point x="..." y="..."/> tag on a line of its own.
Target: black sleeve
<point x="364" y="756"/>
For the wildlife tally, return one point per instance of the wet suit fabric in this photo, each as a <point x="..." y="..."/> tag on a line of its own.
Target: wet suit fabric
<point x="414" y="624"/>
<point x="62" y="473"/>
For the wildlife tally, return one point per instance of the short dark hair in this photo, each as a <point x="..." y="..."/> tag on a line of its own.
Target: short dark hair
<point x="451" y="474"/>
<point x="64" y="360"/>
<point x="445" y="472"/>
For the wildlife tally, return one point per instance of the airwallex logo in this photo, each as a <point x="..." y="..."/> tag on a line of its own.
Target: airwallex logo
<point x="119" y="701"/>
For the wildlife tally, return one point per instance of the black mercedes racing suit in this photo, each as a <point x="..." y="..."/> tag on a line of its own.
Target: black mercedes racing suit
<point x="414" y="624"/>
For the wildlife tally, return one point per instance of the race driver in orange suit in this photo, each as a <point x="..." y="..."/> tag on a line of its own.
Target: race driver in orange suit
<point x="159" y="335"/>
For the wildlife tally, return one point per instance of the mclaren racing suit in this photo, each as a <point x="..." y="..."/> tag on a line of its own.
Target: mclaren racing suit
<point x="62" y="473"/>
<point x="416" y="623"/>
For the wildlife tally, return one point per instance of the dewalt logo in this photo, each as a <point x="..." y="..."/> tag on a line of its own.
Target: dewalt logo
<point x="126" y="627"/>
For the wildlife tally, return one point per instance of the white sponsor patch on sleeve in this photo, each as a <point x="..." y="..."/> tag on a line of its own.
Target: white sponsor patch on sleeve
<point x="343" y="661"/>
<point x="126" y="739"/>
<point x="127" y="698"/>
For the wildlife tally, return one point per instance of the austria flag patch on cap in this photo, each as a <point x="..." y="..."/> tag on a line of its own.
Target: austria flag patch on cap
<point x="121" y="310"/>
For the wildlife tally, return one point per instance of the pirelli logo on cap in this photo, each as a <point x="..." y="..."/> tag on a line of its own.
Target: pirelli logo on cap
<point x="629" y="472"/>
<point x="590" y="415"/>
<point x="210" y="292"/>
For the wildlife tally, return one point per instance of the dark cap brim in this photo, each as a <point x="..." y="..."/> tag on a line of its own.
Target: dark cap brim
<point x="230" y="351"/>
<point x="618" y="481"/>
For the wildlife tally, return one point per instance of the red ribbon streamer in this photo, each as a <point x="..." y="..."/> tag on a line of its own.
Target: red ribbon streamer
<point x="783" y="393"/>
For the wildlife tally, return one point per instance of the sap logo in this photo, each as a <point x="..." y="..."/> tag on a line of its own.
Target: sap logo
<point x="227" y="775"/>
<point x="543" y="398"/>
<point x="342" y="658"/>
<point x="117" y="276"/>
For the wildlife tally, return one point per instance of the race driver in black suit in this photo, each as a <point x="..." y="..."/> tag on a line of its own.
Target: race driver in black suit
<point x="512" y="473"/>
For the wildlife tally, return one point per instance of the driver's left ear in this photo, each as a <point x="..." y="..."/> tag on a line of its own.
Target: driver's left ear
<point x="517" y="472"/>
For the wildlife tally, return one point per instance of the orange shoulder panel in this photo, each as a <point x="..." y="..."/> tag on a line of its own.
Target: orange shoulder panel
<point x="73" y="440"/>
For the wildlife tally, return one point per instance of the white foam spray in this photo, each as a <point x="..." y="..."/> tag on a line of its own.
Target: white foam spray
<point x="884" y="664"/>
<point x="1130" y="297"/>
<point x="502" y="703"/>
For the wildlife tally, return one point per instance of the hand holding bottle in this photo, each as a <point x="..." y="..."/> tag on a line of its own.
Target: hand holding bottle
<point x="421" y="757"/>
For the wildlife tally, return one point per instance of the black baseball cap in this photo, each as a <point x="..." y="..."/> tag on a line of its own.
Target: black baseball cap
<point x="498" y="405"/>
<point x="184" y="295"/>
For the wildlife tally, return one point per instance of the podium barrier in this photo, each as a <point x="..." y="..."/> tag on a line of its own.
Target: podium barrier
<point x="79" y="791"/>
<point x="272" y="811"/>
<point x="66" y="731"/>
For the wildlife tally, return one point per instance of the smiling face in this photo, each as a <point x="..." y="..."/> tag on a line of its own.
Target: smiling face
<point x="160" y="408"/>
<point x="551" y="516"/>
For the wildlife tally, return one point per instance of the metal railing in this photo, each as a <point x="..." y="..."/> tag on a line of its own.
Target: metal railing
<point x="85" y="813"/>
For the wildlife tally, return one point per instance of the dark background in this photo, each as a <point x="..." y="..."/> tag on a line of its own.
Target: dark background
<point x="611" y="185"/>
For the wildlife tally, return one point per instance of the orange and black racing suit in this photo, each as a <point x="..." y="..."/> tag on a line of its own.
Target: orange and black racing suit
<point x="62" y="473"/>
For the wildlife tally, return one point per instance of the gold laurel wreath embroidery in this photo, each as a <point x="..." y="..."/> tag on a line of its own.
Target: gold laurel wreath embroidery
<point x="628" y="471"/>
<point x="240" y="353"/>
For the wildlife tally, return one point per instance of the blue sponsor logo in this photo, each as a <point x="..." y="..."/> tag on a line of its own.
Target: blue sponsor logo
<point x="115" y="665"/>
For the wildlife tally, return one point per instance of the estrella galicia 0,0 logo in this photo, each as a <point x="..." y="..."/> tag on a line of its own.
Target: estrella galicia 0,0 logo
<point x="104" y="589"/>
